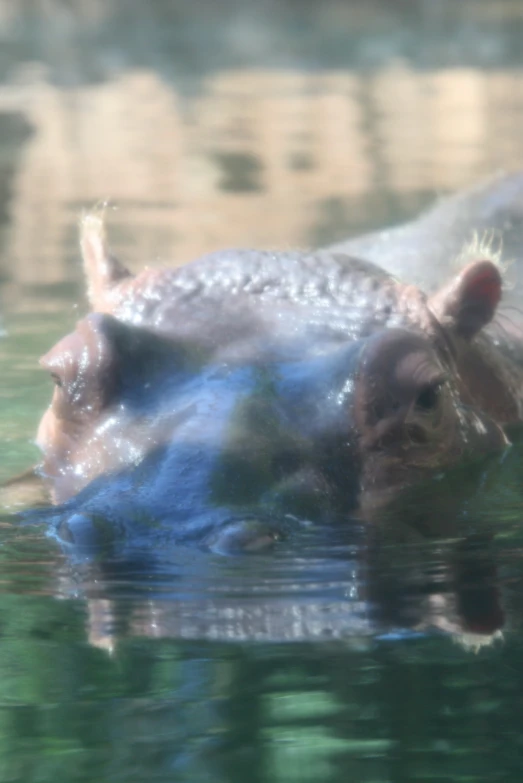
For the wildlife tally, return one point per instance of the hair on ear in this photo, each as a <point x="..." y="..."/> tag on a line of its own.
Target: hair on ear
<point x="470" y="300"/>
<point x="102" y="269"/>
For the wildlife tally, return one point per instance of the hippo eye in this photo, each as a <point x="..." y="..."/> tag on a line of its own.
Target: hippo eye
<point x="429" y="397"/>
<point x="56" y="379"/>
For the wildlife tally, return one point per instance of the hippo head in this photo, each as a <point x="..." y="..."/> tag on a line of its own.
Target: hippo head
<point x="205" y="393"/>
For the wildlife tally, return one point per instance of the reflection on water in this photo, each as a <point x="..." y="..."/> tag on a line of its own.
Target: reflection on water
<point x="275" y="124"/>
<point x="346" y="150"/>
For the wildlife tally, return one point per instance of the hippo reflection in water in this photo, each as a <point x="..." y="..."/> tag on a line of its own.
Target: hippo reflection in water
<point x="218" y="401"/>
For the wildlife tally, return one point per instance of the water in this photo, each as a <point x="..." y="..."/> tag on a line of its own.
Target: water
<point x="279" y="125"/>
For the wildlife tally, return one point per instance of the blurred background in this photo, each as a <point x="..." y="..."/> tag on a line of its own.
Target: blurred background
<point x="272" y="123"/>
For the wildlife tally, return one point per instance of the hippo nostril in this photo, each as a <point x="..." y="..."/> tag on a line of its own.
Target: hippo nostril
<point x="417" y="434"/>
<point x="245" y="535"/>
<point x="79" y="530"/>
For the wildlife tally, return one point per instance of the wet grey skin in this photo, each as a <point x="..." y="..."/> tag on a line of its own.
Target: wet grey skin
<point x="230" y="400"/>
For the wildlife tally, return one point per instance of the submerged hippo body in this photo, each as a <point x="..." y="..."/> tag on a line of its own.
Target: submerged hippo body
<point x="213" y="401"/>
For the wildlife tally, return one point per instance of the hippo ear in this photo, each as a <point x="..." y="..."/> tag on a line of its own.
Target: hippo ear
<point x="469" y="301"/>
<point x="102" y="270"/>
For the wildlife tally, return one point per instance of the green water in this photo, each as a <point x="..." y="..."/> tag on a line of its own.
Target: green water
<point x="271" y="124"/>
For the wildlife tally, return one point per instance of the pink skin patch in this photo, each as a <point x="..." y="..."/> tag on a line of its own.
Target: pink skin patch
<point x="485" y="286"/>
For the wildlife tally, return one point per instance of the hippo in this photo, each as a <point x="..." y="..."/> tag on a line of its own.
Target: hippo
<point x="228" y="400"/>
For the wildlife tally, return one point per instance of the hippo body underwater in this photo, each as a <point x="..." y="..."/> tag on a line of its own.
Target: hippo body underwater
<point x="216" y="401"/>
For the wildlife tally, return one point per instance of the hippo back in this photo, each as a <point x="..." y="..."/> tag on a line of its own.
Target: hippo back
<point x="425" y="252"/>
